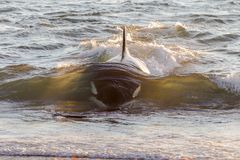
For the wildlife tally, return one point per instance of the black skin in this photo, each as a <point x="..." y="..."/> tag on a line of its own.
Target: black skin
<point x="115" y="82"/>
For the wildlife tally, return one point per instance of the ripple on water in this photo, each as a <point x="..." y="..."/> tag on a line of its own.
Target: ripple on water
<point x="8" y="9"/>
<point x="208" y="20"/>
<point x="220" y="38"/>
<point x="35" y="46"/>
<point x="79" y="20"/>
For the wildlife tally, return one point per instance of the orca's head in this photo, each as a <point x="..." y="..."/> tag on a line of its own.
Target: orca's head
<point x="114" y="91"/>
<point x="114" y="84"/>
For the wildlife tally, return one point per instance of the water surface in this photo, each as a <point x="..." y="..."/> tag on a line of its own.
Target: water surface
<point x="188" y="107"/>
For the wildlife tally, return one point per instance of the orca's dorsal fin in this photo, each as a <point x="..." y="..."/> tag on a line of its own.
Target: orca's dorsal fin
<point x="123" y="43"/>
<point x="126" y="55"/>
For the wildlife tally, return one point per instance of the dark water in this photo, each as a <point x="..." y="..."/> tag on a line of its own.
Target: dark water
<point x="187" y="107"/>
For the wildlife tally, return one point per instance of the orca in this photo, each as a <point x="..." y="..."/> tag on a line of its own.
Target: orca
<point x="118" y="80"/>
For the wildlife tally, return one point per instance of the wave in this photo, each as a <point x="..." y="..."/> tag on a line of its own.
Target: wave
<point x="75" y="86"/>
<point x="173" y="80"/>
<point x="171" y="83"/>
<point x="14" y="72"/>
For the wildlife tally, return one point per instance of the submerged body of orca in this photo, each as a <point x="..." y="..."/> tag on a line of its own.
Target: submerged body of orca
<point x="118" y="80"/>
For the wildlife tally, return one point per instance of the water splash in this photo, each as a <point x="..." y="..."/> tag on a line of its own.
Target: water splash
<point x="231" y="82"/>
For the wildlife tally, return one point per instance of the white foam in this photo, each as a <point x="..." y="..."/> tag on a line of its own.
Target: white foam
<point x="180" y="27"/>
<point x="159" y="59"/>
<point x="64" y="65"/>
<point x="230" y="82"/>
<point x="165" y="59"/>
<point x="156" y="25"/>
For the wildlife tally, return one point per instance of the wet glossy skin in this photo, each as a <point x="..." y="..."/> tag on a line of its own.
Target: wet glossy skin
<point x="114" y="83"/>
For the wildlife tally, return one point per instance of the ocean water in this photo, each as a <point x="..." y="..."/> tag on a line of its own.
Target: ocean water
<point x="188" y="107"/>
